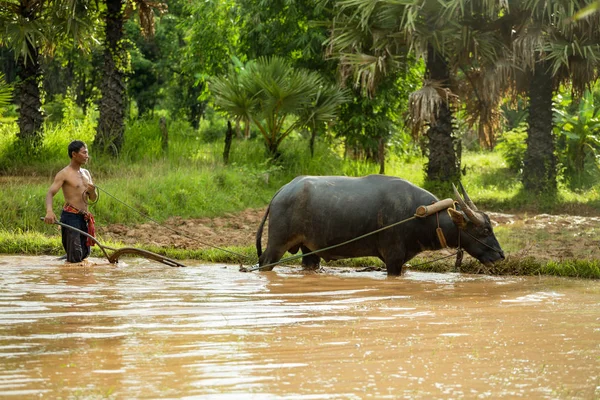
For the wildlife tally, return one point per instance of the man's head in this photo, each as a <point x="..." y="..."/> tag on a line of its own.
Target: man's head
<point x="75" y="146"/>
<point x="78" y="152"/>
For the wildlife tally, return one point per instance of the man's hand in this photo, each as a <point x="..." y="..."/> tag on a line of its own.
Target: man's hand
<point x="50" y="217"/>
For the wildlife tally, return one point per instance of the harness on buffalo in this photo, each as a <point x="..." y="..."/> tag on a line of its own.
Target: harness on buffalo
<point x="435" y="208"/>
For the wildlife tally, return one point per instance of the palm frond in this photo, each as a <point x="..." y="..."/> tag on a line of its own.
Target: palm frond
<point x="6" y="92"/>
<point x="424" y="104"/>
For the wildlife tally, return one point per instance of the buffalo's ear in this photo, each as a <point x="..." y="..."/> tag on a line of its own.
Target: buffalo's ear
<point x="458" y="218"/>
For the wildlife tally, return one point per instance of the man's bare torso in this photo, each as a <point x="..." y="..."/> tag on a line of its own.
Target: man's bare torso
<point x="75" y="186"/>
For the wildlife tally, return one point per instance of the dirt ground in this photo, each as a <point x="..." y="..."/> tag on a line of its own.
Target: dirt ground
<point x="541" y="236"/>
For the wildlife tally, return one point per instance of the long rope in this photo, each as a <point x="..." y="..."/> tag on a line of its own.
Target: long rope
<point x="283" y="260"/>
<point x="171" y="229"/>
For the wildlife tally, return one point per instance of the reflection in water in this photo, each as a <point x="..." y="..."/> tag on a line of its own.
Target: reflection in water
<point x="148" y="331"/>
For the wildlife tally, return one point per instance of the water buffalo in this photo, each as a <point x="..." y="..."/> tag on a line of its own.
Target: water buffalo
<point x="314" y="212"/>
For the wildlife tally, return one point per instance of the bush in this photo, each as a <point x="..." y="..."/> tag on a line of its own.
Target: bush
<point x="512" y="146"/>
<point x="577" y="127"/>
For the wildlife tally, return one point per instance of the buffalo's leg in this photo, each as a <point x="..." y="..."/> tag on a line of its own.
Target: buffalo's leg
<point x="394" y="269"/>
<point x="394" y="259"/>
<point x="310" y="262"/>
<point x="270" y="256"/>
<point x="394" y="263"/>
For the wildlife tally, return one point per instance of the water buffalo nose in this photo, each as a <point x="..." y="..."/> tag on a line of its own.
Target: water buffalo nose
<point x="502" y="255"/>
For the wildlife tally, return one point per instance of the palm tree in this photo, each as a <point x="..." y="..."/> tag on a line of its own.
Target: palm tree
<point x="553" y="48"/>
<point x="33" y="27"/>
<point x="111" y="128"/>
<point x="276" y="98"/>
<point x="375" y="37"/>
<point x="24" y="33"/>
<point x="111" y="125"/>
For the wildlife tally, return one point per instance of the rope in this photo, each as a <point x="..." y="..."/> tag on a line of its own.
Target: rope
<point x="284" y="260"/>
<point x="171" y="229"/>
<point x="86" y="200"/>
<point x="432" y="261"/>
<point x="259" y="267"/>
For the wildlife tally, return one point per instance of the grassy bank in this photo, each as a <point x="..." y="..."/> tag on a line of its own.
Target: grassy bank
<point x="36" y="243"/>
<point x="191" y="181"/>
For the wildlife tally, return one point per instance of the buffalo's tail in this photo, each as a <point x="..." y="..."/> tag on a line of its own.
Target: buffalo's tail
<point x="262" y="223"/>
<point x="260" y="231"/>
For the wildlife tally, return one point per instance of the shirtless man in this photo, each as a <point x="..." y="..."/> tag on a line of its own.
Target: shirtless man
<point x="77" y="186"/>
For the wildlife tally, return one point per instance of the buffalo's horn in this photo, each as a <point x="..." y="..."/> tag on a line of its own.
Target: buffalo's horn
<point x="466" y="197"/>
<point x="472" y="215"/>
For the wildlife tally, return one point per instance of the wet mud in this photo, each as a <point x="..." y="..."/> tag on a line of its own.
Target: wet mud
<point x="144" y="330"/>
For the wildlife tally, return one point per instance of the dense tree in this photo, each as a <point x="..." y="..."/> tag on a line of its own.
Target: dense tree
<point x="293" y="29"/>
<point x="111" y="128"/>
<point x="206" y="50"/>
<point x="375" y="38"/>
<point x="24" y="32"/>
<point x="553" y="48"/>
<point x="32" y="28"/>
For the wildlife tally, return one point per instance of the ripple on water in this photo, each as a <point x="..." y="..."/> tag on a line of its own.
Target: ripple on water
<point x="147" y="331"/>
<point x="537" y="297"/>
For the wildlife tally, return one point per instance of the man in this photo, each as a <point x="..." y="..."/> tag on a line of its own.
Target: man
<point x="78" y="188"/>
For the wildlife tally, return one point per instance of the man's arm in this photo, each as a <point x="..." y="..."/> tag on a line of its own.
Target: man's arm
<point x="54" y="188"/>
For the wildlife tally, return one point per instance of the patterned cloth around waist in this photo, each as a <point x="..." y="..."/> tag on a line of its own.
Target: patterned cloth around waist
<point x="88" y="217"/>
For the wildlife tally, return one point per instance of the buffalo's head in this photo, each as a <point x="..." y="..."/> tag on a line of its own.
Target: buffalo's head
<point x="475" y="230"/>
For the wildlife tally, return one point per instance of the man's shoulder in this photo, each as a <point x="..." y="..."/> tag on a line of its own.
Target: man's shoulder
<point x="63" y="172"/>
<point x="67" y="173"/>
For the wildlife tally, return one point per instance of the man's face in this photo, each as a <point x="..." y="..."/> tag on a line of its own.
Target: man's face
<point x="82" y="155"/>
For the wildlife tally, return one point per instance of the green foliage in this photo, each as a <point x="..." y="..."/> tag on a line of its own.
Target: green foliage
<point x="365" y="119"/>
<point x="17" y="159"/>
<point x="573" y="268"/>
<point x="188" y="180"/>
<point x="514" y="114"/>
<point x="5" y="93"/>
<point x="143" y="140"/>
<point x="512" y="145"/>
<point x="276" y="97"/>
<point x="577" y="127"/>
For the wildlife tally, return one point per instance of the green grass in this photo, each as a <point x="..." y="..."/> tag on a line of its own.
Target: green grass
<point x="190" y="181"/>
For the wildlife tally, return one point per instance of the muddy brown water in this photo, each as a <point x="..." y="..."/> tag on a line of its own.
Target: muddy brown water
<point x="144" y="330"/>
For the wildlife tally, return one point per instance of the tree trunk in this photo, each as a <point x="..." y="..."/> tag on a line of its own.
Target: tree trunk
<point x="162" y="123"/>
<point x="30" y="104"/>
<point x="228" y="138"/>
<point x="273" y="149"/>
<point x="444" y="148"/>
<point x="313" y="137"/>
<point x="539" y="169"/>
<point x="381" y="155"/>
<point x="111" y="127"/>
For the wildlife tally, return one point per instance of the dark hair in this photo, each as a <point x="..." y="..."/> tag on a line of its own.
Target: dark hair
<point x="75" y="146"/>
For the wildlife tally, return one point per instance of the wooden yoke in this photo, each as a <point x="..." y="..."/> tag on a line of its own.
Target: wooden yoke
<point x="425" y="211"/>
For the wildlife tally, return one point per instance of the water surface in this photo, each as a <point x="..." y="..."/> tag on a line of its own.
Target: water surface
<point x="144" y="330"/>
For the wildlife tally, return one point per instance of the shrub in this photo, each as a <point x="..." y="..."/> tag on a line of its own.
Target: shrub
<point x="512" y="146"/>
<point x="577" y="126"/>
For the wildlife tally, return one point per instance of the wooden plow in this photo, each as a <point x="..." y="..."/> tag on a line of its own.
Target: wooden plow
<point x="114" y="257"/>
